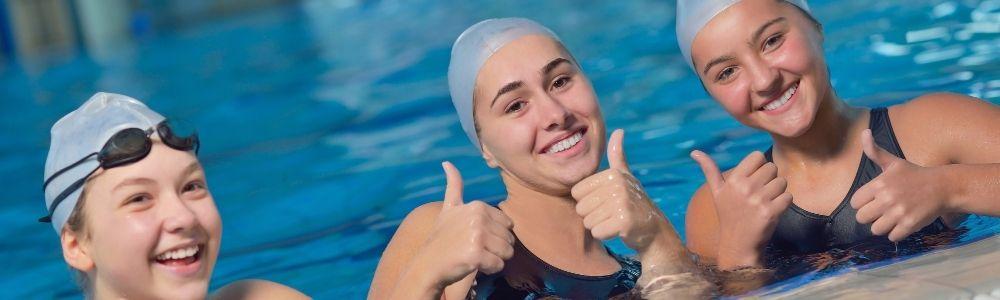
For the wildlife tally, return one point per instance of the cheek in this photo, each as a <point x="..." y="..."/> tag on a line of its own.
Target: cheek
<point x="208" y="216"/>
<point x="733" y="97"/>
<point x="509" y="137"/>
<point x="798" y="55"/>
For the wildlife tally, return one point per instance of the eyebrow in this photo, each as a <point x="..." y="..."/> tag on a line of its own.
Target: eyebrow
<point x="134" y="181"/>
<point x="191" y="168"/>
<point x="507" y="88"/>
<point x="553" y="64"/>
<point x="717" y="60"/>
<point x="756" y="36"/>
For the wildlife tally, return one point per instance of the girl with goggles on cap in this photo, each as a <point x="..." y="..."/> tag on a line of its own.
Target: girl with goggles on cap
<point x="130" y="203"/>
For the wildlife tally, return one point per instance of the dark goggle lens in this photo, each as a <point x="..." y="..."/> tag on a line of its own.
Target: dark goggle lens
<point x="178" y="135"/>
<point x="126" y="146"/>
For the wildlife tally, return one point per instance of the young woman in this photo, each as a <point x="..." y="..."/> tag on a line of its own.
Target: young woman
<point x="524" y="102"/>
<point x="131" y="205"/>
<point x="837" y="175"/>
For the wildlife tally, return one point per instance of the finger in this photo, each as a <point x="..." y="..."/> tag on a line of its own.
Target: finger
<point x="749" y="164"/>
<point x="499" y="246"/>
<point x="607" y="229"/>
<point x="490" y="264"/>
<point x="864" y="194"/>
<point x="453" y="189"/>
<point x="502" y="232"/>
<point x="884" y="224"/>
<point x="874" y="152"/>
<point x="708" y="167"/>
<point x="589" y="203"/>
<point x="764" y="174"/>
<point x="616" y="151"/>
<point x="871" y="211"/>
<point x="899" y="233"/>
<point x="499" y="217"/>
<point x="599" y="215"/>
<point x="773" y="189"/>
<point x="588" y="185"/>
<point x="781" y="203"/>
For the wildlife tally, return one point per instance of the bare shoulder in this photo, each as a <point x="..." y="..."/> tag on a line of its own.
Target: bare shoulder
<point x="405" y="243"/>
<point x="943" y="105"/>
<point x="701" y="223"/>
<point x="250" y="289"/>
<point x="940" y="128"/>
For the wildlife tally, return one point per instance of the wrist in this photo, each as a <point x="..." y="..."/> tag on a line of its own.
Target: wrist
<point x="418" y="285"/>
<point x="730" y="258"/>
<point x="947" y="187"/>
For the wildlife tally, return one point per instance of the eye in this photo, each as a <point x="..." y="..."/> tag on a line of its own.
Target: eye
<point x="725" y="74"/>
<point x="194" y="186"/>
<point x="515" y="106"/>
<point x="138" y="199"/>
<point x="561" y="82"/>
<point x="774" y="41"/>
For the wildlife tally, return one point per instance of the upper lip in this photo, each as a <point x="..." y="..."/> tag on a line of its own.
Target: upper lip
<point x="178" y="246"/>
<point x="776" y="96"/>
<point x="560" y="138"/>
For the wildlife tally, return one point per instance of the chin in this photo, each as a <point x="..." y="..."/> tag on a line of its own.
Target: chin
<point x="191" y="290"/>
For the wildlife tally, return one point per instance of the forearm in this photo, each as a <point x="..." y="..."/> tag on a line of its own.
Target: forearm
<point x="972" y="188"/>
<point x="413" y="285"/>
<point x="668" y="270"/>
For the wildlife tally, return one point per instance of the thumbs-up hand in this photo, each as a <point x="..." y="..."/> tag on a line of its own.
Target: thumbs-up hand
<point x="903" y="199"/>
<point x="613" y="203"/>
<point x="748" y="201"/>
<point x="467" y="237"/>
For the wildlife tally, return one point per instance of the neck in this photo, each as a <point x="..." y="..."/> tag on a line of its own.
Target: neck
<point x="549" y="217"/>
<point x="827" y="137"/>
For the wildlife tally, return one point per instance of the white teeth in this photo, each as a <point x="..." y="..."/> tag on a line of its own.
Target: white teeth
<point x="179" y="253"/>
<point x="566" y="143"/>
<point x="784" y="98"/>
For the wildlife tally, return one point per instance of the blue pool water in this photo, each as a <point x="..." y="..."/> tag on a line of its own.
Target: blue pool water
<point x="324" y="122"/>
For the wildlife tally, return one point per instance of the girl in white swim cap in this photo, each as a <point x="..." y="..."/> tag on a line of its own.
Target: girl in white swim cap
<point x="762" y="60"/>
<point x="527" y="106"/>
<point x="130" y="202"/>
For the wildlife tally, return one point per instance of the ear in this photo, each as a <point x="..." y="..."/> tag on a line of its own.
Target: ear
<point x="491" y="161"/>
<point x="75" y="250"/>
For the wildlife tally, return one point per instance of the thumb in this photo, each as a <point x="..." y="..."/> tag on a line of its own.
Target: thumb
<point x="453" y="189"/>
<point x="712" y="174"/>
<point x="878" y="155"/>
<point x="616" y="151"/>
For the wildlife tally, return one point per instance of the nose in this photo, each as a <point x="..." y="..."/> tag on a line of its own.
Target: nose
<point x="177" y="214"/>
<point x="555" y="115"/>
<point x="766" y="79"/>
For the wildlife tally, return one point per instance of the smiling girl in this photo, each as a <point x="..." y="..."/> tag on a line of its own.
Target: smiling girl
<point x="837" y="175"/>
<point x="130" y="202"/>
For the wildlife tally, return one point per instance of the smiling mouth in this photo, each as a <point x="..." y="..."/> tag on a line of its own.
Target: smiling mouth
<point x="785" y="97"/>
<point x="565" y="143"/>
<point x="180" y="257"/>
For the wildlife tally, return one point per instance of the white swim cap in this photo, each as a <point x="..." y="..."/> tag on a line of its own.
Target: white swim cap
<point x="471" y="50"/>
<point x="692" y="15"/>
<point x="81" y="133"/>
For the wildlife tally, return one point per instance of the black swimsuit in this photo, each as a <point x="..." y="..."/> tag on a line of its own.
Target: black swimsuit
<point x="801" y="231"/>
<point x="525" y="276"/>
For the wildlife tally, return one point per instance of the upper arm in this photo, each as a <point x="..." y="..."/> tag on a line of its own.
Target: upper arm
<point x="405" y="243"/>
<point x="946" y="128"/>
<point x="702" y="224"/>
<point x="257" y="289"/>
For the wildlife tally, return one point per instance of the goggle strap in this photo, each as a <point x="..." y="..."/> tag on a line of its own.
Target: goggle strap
<point x="65" y="193"/>
<point x="63" y="170"/>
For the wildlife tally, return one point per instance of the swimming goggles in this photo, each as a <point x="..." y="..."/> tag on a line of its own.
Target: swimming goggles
<point x="125" y="147"/>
